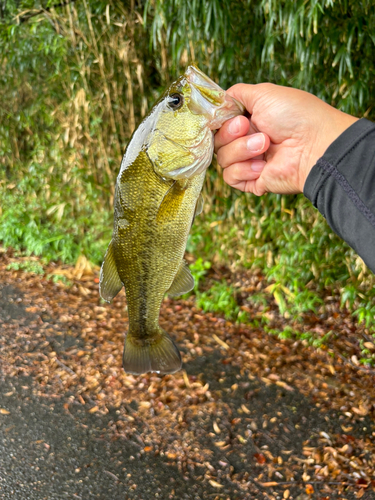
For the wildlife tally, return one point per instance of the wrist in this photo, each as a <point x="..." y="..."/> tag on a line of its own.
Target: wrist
<point x="324" y="137"/>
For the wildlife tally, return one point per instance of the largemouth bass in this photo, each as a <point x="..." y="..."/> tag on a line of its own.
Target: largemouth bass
<point x="157" y="196"/>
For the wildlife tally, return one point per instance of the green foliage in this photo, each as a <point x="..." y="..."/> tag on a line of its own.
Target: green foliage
<point x="28" y="266"/>
<point x="61" y="234"/>
<point x="366" y="313"/>
<point x="368" y="355"/>
<point x="199" y="270"/>
<point x="219" y="298"/>
<point x="66" y="113"/>
<point x="309" y="337"/>
<point x="60" y="278"/>
<point x="325" y="47"/>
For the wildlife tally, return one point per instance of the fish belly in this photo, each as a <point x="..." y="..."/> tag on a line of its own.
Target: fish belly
<point x="153" y="218"/>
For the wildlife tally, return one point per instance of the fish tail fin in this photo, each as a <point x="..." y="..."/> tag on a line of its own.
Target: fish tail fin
<point x="157" y="353"/>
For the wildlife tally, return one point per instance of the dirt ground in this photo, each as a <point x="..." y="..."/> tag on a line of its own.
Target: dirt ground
<point x="250" y="416"/>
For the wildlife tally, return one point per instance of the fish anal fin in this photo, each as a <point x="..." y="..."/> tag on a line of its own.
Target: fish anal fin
<point x="109" y="283"/>
<point x="157" y="353"/>
<point x="183" y="281"/>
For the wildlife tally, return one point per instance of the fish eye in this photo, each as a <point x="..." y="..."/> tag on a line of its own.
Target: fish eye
<point x="175" y="101"/>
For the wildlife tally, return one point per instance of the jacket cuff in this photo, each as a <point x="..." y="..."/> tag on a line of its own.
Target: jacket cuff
<point x="334" y="156"/>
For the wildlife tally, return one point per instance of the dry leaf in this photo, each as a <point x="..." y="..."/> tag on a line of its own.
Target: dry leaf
<point x="369" y="345"/>
<point x="4" y="412"/>
<point x="360" y="493"/>
<point x="220" y="342"/>
<point x="245" y="409"/>
<point x="309" y="489"/>
<point x="215" y="484"/>
<point x="216" y="428"/>
<point x="260" y="458"/>
<point x="220" y="443"/>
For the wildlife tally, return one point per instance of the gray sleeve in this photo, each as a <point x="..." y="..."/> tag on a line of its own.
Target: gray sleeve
<point x="342" y="187"/>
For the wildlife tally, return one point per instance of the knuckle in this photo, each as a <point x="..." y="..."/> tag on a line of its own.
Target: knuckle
<point x="220" y="158"/>
<point x="267" y="86"/>
<point x="227" y="177"/>
<point x="236" y="171"/>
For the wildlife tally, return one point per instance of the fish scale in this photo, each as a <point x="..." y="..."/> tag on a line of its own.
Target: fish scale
<point x="151" y="248"/>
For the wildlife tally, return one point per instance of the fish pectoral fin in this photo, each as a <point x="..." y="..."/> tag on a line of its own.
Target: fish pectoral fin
<point x="159" y="211"/>
<point x="109" y="283"/>
<point x="156" y="353"/>
<point x="199" y="205"/>
<point x="183" y="281"/>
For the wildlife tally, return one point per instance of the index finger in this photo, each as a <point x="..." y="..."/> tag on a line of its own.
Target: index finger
<point x="245" y="93"/>
<point x="231" y="130"/>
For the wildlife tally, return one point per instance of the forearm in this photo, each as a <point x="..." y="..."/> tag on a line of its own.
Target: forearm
<point x="342" y="186"/>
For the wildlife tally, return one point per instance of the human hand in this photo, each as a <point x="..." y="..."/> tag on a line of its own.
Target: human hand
<point x="274" y="150"/>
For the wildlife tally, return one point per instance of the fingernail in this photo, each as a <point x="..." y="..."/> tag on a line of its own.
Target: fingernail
<point x="255" y="143"/>
<point x="257" y="166"/>
<point x="234" y="126"/>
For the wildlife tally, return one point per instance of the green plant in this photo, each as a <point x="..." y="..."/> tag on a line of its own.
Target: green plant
<point x="199" y="270"/>
<point x="28" y="266"/>
<point x="219" y="298"/>
<point x="289" y="333"/>
<point x="60" y="278"/>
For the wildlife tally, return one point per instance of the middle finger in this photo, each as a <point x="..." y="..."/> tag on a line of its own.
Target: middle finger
<point x="242" y="149"/>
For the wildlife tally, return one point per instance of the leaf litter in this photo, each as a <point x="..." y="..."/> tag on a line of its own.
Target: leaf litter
<point x="250" y="414"/>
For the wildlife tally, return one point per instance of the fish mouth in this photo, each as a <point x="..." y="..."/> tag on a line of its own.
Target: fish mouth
<point x="209" y="99"/>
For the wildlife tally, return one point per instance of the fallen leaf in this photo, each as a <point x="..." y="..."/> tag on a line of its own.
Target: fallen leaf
<point x="215" y="484"/>
<point x="220" y="443"/>
<point x="362" y="483"/>
<point x="245" y="409"/>
<point x="4" y="412"/>
<point x="220" y="342"/>
<point x="260" y="458"/>
<point x="216" y="428"/>
<point x="360" y="493"/>
<point x="309" y="489"/>
<point x="369" y="345"/>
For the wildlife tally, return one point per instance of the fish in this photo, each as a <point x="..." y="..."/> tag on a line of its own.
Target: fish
<point x="157" y="196"/>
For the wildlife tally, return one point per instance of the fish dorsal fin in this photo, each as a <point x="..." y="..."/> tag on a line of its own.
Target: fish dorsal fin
<point x="183" y="281"/>
<point x="109" y="283"/>
<point x="199" y="205"/>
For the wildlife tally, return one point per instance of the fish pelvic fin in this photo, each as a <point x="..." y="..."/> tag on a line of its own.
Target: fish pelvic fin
<point x="109" y="282"/>
<point x="183" y="281"/>
<point x="158" y="353"/>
